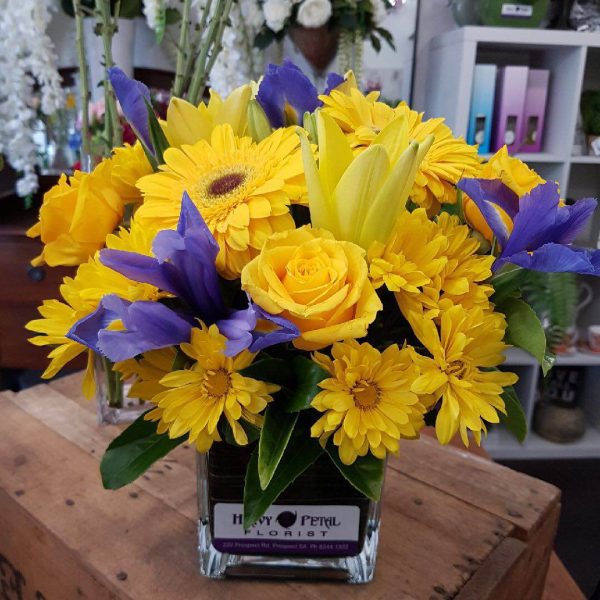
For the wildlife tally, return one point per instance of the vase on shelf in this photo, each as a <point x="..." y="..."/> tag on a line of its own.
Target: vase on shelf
<point x="318" y="45"/>
<point x="113" y="405"/>
<point x="320" y="527"/>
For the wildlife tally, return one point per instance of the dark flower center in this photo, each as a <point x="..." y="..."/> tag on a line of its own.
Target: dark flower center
<point x="225" y="184"/>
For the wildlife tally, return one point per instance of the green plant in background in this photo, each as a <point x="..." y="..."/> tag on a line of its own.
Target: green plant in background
<point x="127" y="9"/>
<point x="554" y="297"/>
<point x="590" y="112"/>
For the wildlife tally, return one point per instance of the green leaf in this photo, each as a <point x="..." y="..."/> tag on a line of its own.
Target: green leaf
<point x="387" y="36"/>
<point x="514" y="419"/>
<point x="274" y="438"/>
<point x="524" y="328"/>
<point x="308" y="375"/>
<point x="365" y="473"/>
<point x="302" y="452"/>
<point x="131" y="453"/>
<point x="375" y="43"/>
<point x="506" y="282"/>
<point x="157" y="136"/>
<point x="273" y="370"/>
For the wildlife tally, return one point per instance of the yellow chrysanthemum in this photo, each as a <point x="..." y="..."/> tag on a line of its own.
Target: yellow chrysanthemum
<point x="243" y="190"/>
<point x="146" y="372"/>
<point x="76" y="216"/>
<point x="461" y="280"/>
<point x="464" y="351"/>
<point x="447" y="161"/>
<point x="188" y="124"/>
<point x="81" y="295"/>
<point x="431" y="265"/>
<point x="368" y="401"/>
<point x="414" y="255"/>
<point x="129" y="163"/>
<point x="198" y="397"/>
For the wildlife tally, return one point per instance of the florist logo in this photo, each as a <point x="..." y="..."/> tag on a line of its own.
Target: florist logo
<point x="289" y="523"/>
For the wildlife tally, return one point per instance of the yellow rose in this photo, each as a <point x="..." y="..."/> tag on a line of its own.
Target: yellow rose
<point x="76" y="216"/>
<point x="318" y="283"/>
<point x="514" y="174"/>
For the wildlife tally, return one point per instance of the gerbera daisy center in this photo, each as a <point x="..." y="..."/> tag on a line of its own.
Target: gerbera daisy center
<point x="226" y="184"/>
<point x="366" y="395"/>
<point x="223" y="184"/>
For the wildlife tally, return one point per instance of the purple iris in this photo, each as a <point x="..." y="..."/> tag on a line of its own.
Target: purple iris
<point x="184" y="265"/>
<point x="542" y="231"/>
<point x="134" y="97"/>
<point x="286" y="84"/>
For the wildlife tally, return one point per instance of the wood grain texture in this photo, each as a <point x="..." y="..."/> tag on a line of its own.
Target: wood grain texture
<point x="437" y="542"/>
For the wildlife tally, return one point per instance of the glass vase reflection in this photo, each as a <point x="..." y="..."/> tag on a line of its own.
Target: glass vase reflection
<point x="112" y="402"/>
<point x="320" y="527"/>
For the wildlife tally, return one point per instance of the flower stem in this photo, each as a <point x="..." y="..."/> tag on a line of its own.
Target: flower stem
<point x="183" y="50"/>
<point x="209" y="49"/>
<point x="83" y="79"/>
<point x="112" y="126"/>
<point x="114" y="385"/>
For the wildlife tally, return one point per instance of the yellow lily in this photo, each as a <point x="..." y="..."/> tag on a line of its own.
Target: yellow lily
<point x="359" y="198"/>
<point x="187" y="124"/>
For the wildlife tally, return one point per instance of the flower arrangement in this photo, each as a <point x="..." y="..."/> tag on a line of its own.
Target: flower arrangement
<point x="352" y="20"/>
<point x="311" y="277"/>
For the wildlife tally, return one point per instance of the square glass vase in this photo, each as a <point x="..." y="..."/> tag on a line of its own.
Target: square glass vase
<point x="319" y="528"/>
<point x="112" y="402"/>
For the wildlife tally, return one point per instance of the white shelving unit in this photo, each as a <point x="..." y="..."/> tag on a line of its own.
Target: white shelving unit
<point x="573" y="59"/>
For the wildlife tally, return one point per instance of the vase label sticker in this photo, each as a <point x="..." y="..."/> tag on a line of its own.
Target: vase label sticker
<point x="289" y="529"/>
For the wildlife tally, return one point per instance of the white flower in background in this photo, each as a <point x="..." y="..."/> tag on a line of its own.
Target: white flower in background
<point x="314" y="13"/>
<point x="152" y="9"/>
<point x="379" y="9"/>
<point x="276" y="12"/>
<point x="27" y="58"/>
<point x="239" y="61"/>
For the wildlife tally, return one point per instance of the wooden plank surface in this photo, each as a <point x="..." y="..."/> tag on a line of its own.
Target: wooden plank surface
<point x="49" y="443"/>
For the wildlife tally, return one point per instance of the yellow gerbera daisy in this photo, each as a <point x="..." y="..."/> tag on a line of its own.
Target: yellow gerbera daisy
<point x="198" y="397"/>
<point x="242" y="189"/>
<point x="368" y="401"/>
<point x="464" y="351"/>
<point x="81" y="295"/>
<point x="447" y="161"/>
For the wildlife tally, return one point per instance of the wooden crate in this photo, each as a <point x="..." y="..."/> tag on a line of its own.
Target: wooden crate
<point x="454" y="525"/>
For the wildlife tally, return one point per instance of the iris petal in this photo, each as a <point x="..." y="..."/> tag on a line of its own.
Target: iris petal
<point x="132" y="96"/>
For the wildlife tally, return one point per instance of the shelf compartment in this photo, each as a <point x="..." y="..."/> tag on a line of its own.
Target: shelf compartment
<point x="503" y="446"/>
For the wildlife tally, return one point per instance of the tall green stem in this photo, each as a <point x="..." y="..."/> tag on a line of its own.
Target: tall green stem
<point x="114" y="385"/>
<point x="83" y="78"/>
<point x="112" y="125"/>
<point x="211" y="43"/>
<point x="183" y="49"/>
